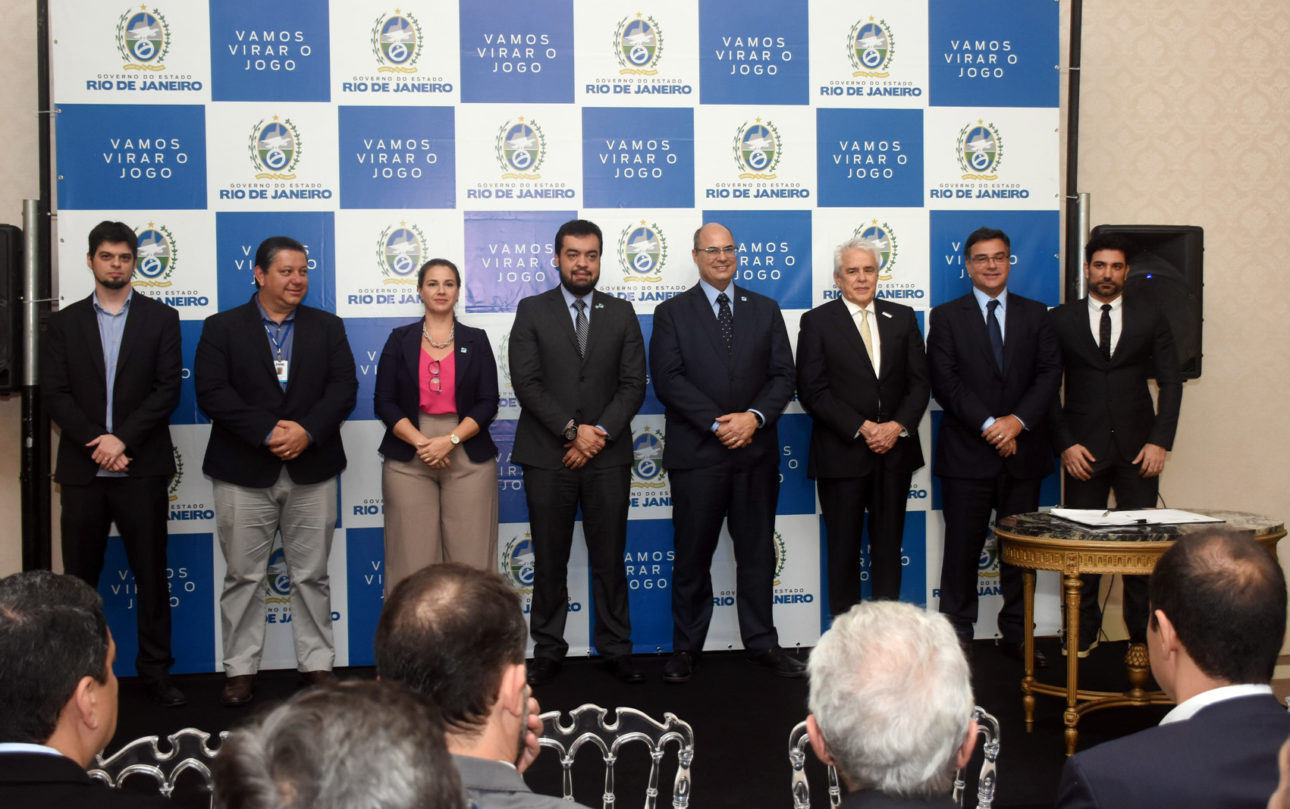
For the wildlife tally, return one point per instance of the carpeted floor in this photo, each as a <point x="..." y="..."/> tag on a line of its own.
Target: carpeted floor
<point x="741" y="717"/>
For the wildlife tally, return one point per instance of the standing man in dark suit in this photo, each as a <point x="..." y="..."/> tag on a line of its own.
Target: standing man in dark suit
<point x="276" y="379"/>
<point x="862" y="375"/>
<point x="1218" y="615"/>
<point x="722" y="366"/>
<point x="110" y="373"/>
<point x="58" y="695"/>
<point x="1109" y="433"/>
<point x="578" y="366"/>
<point x="995" y="370"/>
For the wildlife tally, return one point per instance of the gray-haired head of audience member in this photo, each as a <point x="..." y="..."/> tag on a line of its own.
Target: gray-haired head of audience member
<point x="891" y="700"/>
<point x="360" y="744"/>
<point x="54" y="650"/>
<point x="855" y="244"/>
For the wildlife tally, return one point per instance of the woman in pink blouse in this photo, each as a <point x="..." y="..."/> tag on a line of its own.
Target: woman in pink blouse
<point x="436" y="391"/>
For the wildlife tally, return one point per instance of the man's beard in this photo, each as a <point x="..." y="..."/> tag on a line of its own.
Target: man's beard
<point x="115" y="284"/>
<point x="577" y="289"/>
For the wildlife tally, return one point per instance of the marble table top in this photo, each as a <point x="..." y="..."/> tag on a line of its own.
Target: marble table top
<point x="1041" y="524"/>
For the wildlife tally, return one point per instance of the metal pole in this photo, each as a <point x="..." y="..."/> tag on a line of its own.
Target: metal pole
<point x="1084" y="215"/>
<point x="1074" y="234"/>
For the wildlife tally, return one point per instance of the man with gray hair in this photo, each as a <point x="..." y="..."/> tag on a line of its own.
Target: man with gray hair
<point x="368" y="744"/>
<point x="862" y="376"/>
<point x="891" y="706"/>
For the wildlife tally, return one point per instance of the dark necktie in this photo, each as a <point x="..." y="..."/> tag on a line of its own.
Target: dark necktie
<point x="996" y="333"/>
<point x="1104" y="332"/>
<point x="580" y="326"/>
<point x="726" y="320"/>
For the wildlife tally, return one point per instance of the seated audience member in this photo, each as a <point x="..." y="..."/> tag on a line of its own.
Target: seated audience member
<point x="891" y="705"/>
<point x="456" y="635"/>
<point x="360" y="744"/>
<point x="57" y="694"/>
<point x="1218" y="615"/>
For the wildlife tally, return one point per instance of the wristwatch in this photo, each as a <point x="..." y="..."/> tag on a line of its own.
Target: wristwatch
<point x="571" y="432"/>
<point x="452" y="437"/>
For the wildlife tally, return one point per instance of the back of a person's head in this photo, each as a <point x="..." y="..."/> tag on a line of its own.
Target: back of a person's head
<point x="891" y="693"/>
<point x="368" y="744"/>
<point x="1226" y="598"/>
<point x="52" y="634"/>
<point x="448" y="631"/>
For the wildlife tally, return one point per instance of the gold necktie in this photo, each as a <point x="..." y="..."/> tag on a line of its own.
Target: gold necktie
<point x="865" y="335"/>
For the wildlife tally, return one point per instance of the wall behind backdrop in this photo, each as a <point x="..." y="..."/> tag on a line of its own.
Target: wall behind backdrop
<point x="382" y="137"/>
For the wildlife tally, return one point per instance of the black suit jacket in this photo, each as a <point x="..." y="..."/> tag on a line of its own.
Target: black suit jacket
<point x="239" y="390"/>
<point x="57" y="782"/>
<point x="970" y="388"/>
<point x="1108" y="403"/>
<point x="837" y="386"/>
<point x="145" y="393"/>
<point x="870" y="799"/>
<point x="554" y="384"/>
<point x="1224" y="756"/>
<point x="398" y="388"/>
<point x="697" y="380"/>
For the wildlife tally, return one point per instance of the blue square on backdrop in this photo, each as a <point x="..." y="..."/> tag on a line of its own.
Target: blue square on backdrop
<point x="270" y="51"/>
<point x="869" y="157"/>
<point x="365" y="585"/>
<point x="637" y="158"/>
<point x="993" y="53"/>
<point x="120" y="156"/>
<point x="397" y="157"/>
<point x="517" y="51"/>
<point x="753" y="53"/>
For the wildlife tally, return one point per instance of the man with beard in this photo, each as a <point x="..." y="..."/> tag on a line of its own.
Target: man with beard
<point x="110" y="371"/>
<point x="1110" y="435"/>
<point x="578" y="366"/>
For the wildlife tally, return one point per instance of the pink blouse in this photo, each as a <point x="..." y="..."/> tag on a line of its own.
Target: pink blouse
<point x="438" y="390"/>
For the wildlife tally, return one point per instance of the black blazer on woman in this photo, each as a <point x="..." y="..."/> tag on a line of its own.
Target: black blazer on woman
<point x="398" y="393"/>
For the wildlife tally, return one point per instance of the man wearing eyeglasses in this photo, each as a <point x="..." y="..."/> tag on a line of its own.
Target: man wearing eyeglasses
<point x="722" y="366"/>
<point x="577" y="361"/>
<point x="995" y="368"/>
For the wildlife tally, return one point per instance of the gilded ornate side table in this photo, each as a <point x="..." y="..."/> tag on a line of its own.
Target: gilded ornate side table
<point x="1041" y="541"/>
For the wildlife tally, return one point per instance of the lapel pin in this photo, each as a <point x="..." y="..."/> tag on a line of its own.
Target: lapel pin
<point x="743" y="299"/>
<point x="600" y="306"/>
<point x="886" y="314"/>
<point x="463" y="349"/>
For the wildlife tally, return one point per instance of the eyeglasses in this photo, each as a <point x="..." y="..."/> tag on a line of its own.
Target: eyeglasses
<point x="433" y="368"/>
<point x="997" y="258"/>
<point x="728" y="250"/>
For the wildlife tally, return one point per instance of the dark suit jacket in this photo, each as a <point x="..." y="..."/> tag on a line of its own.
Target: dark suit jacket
<point x="146" y="391"/>
<point x="1224" y="756"/>
<point x="1108" y="404"/>
<point x="398" y="388"/>
<point x="970" y="388"/>
<point x="239" y="390"/>
<point x="877" y="800"/>
<point x="554" y="384"/>
<point x="698" y="380"/>
<point x="56" y="782"/>
<point x="837" y="386"/>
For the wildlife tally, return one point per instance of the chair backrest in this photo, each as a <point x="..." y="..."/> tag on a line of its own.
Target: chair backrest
<point x="189" y="750"/>
<point x="988" y="735"/>
<point x="589" y="724"/>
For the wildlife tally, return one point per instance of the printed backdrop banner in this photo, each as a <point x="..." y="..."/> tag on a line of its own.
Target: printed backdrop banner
<point x="381" y="136"/>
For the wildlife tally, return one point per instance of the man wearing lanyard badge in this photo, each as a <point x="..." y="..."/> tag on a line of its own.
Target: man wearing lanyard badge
<point x="273" y="457"/>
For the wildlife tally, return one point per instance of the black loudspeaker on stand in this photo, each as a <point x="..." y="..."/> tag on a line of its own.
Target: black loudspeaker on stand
<point x="10" y="308"/>
<point x="1167" y="266"/>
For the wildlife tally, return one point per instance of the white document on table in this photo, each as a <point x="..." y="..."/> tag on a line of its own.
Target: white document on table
<point x="1102" y="518"/>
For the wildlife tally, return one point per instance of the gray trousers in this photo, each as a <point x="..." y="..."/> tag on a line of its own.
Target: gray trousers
<point x="247" y="520"/>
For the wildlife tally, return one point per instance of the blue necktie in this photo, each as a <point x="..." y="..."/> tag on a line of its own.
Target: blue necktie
<point x="996" y="333"/>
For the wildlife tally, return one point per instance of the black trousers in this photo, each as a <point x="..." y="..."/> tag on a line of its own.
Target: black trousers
<point x="744" y="497"/>
<point x="844" y="502"/>
<point x="553" y="496"/>
<point x="139" y="508"/>
<point x="1131" y="491"/>
<point x="967" y="504"/>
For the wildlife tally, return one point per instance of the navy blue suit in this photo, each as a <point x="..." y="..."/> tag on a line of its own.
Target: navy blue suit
<point x="697" y="380"/>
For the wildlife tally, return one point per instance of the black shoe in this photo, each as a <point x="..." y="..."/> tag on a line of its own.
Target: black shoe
<point x="1084" y="648"/>
<point x="625" y="669"/>
<point x="679" y="667"/>
<point x="543" y="670"/>
<point x="237" y="690"/>
<point x="1017" y="651"/>
<point x="778" y="661"/>
<point x="164" y="692"/>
